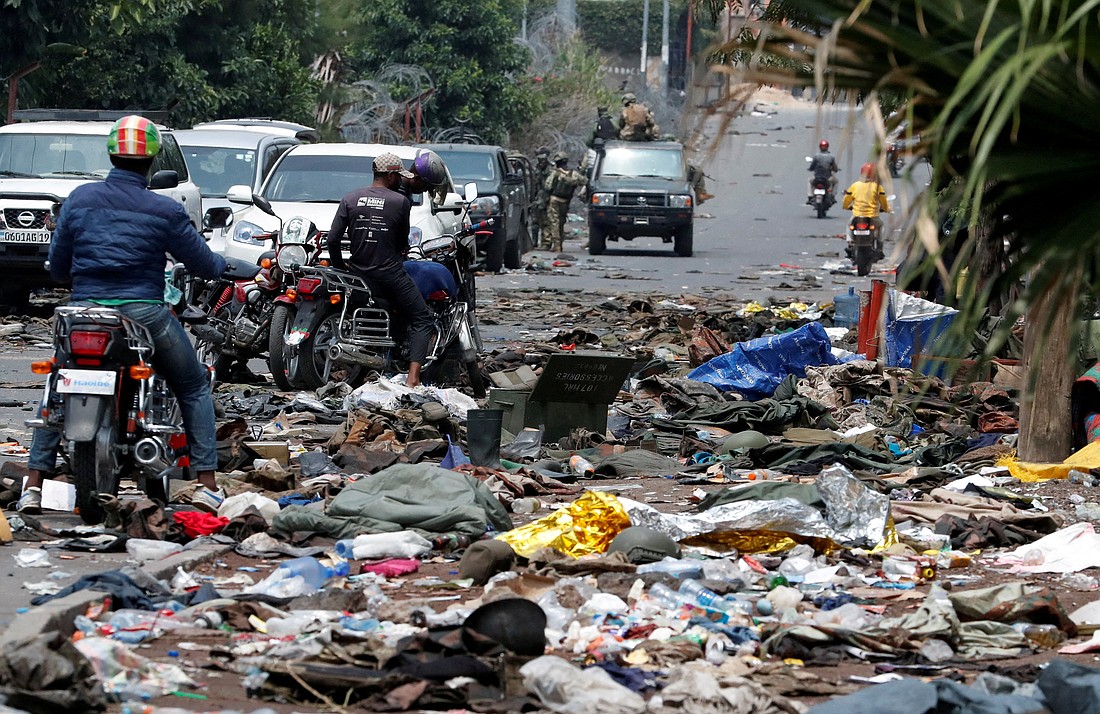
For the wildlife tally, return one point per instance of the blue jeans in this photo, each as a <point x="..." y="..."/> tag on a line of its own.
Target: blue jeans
<point x="174" y="359"/>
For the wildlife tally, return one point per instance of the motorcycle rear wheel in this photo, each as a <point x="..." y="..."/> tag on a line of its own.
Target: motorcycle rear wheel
<point x="314" y="366"/>
<point x="864" y="259"/>
<point x="89" y="461"/>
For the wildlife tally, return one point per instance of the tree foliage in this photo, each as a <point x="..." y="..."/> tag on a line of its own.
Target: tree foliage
<point x="468" y="49"/>
<point x="207" y="58"/>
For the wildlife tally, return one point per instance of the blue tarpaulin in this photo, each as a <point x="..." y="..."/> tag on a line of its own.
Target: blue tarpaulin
<point x="913" y="327"/>
<point x="755" y="368"/>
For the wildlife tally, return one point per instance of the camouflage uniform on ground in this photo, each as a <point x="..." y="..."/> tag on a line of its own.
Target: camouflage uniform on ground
<point x="560" y="185"/>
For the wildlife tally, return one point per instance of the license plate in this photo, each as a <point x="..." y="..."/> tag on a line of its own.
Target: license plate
<point x="819" y="192"/>
<point x="641" y="221"/>
<point x="86" y="381"/>
<point x="861" y="233"/>
<point x="24" y="236"/>
<point x="296" y="337"/>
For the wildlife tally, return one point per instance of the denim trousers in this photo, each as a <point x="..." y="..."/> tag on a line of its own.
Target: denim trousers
<point x="174" y="359"/>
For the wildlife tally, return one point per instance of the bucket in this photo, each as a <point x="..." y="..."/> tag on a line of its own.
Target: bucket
<point x="847" y="309"/>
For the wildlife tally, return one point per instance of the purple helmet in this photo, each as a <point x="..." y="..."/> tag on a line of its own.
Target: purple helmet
<point x="429" y="167"/>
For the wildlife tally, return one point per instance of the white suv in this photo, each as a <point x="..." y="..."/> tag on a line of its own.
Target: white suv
<point x="41" y="162"/>
<point x="311" y="179"/>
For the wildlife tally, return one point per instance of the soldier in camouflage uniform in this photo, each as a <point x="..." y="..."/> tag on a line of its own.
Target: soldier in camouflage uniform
<point x="560" y="185"/>
<point x="538" y="203"/>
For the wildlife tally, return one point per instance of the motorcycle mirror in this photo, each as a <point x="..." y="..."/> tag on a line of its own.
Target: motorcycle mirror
<point x="469" y="191"/>
<point x="217" y="217"/>
<point x="263" y="204"/>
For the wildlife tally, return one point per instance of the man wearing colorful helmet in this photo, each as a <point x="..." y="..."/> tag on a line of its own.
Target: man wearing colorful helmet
<point x="865" y="198"/>
<point x="822" y="166"/>
<point x="111" y="240"/>
<point x="429" y="176"/>
<point x="376" y="220"/>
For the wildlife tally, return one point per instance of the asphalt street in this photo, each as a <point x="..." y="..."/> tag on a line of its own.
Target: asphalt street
<point x="755" y="240"/>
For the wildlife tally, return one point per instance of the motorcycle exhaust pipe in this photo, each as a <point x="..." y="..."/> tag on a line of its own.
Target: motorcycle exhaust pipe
<point x="149" y="451"/>
<point x="339" y="353"/>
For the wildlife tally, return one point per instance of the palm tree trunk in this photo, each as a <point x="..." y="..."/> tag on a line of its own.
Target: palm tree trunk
<point x="1045" y="423"/>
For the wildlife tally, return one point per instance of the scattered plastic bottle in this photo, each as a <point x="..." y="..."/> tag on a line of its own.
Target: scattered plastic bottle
<point x="705" y="597"/>
<point x="676" y="567"/>
<point x="667" y="596"/>
<point x="372" y="546"/>
<point x="1043" y="635"/>
<point x="524" y="506"/>
<point x="581" y="466"/>
<point x="209" y="620"/>
<point x="1034" y="556"/>
<point x="1082" y="478"/>
<point x="312" y="571"/>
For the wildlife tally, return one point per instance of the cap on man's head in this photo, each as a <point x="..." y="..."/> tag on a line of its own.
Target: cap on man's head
<point x="388" y="163"/>
<point x="542" y="152"/>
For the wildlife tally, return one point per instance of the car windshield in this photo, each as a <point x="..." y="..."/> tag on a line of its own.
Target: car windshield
<point x="215" y="169"/>
<point x="469" y="166"/>
<point x="661" y="163"/>
<point x="72" y="155"/>
<point x="322" y="179"/>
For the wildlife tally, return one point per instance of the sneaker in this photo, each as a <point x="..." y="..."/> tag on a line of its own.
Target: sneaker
<point x="30" y="502"/>
<point x="206" y="500"/>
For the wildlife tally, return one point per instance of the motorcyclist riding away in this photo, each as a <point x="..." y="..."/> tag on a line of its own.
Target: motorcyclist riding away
<point x="111" y="239"/>
<point x="376" y="219"/>
<point x="866" y="198"/>
<point x="823" y="166"/>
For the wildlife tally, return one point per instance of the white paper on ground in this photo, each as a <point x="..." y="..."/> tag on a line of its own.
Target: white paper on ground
<point x="56" y="495"/>
<point x="1069" y="550"/>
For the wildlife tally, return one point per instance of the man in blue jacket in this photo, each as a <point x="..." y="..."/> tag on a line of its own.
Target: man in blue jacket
<point x="111" y="240"/>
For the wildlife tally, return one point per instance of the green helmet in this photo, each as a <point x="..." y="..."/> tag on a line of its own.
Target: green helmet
<point x="133" y="137"/>
<point x="542" y="153"/>
<point x="560" y="156"/>
<point x="644" y="545"/>
<point x="747" y="439"/>
<point x="629" y="98"/>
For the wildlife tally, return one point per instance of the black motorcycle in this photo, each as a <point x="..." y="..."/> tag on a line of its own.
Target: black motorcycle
<point x="823" y="196"/>
<point x="342" y="329"/>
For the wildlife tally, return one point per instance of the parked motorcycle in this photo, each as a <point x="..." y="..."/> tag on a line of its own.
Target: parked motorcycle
<point x="865" y="246"/>
<point x="342" y="329"/>
<point x="248" y="316"/>
<point x="823" y="196"/>
<point x="116" y="415"/>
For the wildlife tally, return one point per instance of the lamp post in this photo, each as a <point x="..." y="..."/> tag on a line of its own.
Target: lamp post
<point x="62" y="49"/>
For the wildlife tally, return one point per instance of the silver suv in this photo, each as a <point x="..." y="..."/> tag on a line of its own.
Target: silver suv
<point x="41" y="162"/>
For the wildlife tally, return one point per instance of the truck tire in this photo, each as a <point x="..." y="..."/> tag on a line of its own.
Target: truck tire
<point x="684" y="240"/>
<point x="494" y="251"/>
<point x="597" y="239"/>
<point x="513" y="251"/>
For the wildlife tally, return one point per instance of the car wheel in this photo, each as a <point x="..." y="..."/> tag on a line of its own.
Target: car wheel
<point x="597" y="239"/>
<point x="512" y="253"/>
<point x="684" y="240"/>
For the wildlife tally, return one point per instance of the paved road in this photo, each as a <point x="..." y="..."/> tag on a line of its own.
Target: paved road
<point x="757" y="223"/>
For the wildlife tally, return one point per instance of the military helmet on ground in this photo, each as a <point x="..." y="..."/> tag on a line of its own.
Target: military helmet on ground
<point x="644" y="545"/>
<point x="747" y="439"/>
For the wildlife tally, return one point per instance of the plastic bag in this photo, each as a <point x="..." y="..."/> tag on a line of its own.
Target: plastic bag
<point x="236" y="505"/>
<point x="563" y="687"/>
<point x="526" y="445"/>
<point x="145" y="549"/>
<point x="913" y="327"/>
<point x="583" y="527"/>
<point x="374" y="546"/>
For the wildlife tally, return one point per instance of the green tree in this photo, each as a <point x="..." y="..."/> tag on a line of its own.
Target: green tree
<point x="468" y="49"/>
<point x="1004" y="95"/>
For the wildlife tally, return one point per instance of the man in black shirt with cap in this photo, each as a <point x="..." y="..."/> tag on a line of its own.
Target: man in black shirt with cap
<point x="376" y="219"/>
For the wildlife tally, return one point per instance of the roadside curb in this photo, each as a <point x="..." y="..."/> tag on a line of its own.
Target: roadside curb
<point x="59" y="614"/>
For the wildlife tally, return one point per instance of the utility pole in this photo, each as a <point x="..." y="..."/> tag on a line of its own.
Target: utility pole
<point x="567" y="16"/>
<point x="523" y="23"/>
<point x="645" y="38"/>
<point x="664" y="48"/>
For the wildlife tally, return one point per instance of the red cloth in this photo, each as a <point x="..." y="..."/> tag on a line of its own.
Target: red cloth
<point x="197" y="523"/>
<point x="392" y="567"/>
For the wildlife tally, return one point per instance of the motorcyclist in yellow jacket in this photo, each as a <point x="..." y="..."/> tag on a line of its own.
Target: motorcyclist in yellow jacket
<point x="866" y="198"/>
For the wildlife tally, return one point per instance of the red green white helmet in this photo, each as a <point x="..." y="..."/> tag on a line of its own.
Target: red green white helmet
<point x="133" y="137"/>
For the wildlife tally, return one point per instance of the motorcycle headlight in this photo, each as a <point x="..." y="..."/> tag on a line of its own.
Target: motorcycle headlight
<point x="679" y="201"/>
<point x="244" y="232"/>
<point x="291" y="254"/>
<point x="483" y="205"/>
<point x="603" y="199"/>
<point x="434" y="246"/>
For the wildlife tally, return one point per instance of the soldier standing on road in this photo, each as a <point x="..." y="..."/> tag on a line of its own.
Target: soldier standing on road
<point x="540" y="234"/>
<point x="560" y="185"/>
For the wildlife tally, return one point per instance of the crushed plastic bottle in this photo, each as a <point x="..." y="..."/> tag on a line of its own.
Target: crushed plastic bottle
<point x="676" y="567"/>
<point x="1043" y="635"/>
<point x="373" y="546"/>
<point x="667" y="596"/>
<point x="581" y="466"/>
<point x="524" y="506"/>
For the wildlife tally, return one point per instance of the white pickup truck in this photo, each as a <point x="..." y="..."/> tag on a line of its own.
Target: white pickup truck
<point x="41" y="162"/>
